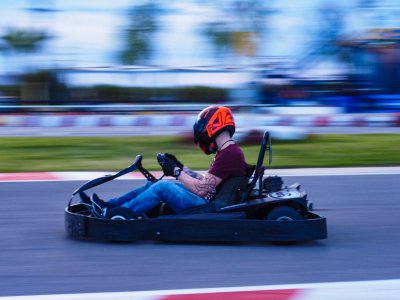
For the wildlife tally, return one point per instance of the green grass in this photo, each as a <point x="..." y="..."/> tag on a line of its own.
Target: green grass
<point x="24" y="154"/>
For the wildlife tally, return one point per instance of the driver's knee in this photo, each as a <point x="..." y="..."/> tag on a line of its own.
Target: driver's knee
<point x="163" y="185"/>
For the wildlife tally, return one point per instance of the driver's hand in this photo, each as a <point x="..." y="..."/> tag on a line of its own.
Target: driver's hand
<point x="175" y="160"/>
<point x="167" y="164"/>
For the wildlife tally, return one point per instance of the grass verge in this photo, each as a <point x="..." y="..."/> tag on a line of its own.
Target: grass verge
<point x="29" y="154"/>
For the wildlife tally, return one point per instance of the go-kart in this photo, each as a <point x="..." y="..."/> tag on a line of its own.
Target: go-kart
<point x="250" y="208"/>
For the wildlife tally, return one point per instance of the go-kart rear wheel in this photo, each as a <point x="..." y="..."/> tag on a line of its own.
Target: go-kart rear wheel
<point x="121" y="213"/>
<point x="283" y="213"/>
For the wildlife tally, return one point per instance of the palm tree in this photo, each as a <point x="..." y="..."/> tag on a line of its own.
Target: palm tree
<point x="23" y="42"/>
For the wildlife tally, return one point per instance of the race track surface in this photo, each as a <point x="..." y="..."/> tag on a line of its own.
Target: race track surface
<point x="36" y="257"/>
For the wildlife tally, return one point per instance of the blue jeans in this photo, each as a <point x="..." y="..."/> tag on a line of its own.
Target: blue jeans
<point x="148" y="196"/>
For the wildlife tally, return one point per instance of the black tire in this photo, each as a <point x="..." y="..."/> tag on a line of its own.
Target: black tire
<point x="121" y="213"/>
<point x="283" y="213"/>
<point x="272" y="184"/>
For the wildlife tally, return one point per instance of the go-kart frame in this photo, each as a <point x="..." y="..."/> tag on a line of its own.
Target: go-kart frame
<point x="254" y="208"/>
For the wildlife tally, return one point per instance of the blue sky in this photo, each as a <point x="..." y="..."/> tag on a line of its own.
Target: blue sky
<point x="89" y="35"/>
<point x="88" y="32"/>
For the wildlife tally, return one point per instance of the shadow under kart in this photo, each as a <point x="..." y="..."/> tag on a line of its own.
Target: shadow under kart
<point x="246" y="209"/>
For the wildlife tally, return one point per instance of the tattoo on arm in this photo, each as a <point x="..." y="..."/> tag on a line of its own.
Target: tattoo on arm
<point x="206" y="185"/>
<point x="192" y="173"/>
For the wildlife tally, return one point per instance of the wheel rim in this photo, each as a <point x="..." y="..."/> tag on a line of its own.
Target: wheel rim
<point x="118" y="217"/>
<point x="284" y="218"/>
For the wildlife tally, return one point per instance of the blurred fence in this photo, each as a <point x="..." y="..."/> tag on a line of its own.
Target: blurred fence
<point x="125" y="108"/>
<point x="185" y="120"/>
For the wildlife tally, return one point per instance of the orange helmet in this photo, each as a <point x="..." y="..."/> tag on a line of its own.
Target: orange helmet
<point x="210" y="122"/>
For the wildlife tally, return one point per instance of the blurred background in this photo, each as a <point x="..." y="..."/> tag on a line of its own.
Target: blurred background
<point x="87" y="85"/>
<point x="312" y="53"/>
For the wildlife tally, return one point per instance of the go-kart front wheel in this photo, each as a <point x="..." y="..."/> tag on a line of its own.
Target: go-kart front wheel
<point x="283" y="213"/>
<point x="121" y="213"/>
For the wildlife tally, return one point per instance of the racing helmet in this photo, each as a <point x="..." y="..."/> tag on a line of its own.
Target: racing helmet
<point x="210" y="122"/>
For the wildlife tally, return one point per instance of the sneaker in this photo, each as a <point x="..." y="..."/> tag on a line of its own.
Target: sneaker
<point x="99" y="207"/>
<point x="85" y="200"/>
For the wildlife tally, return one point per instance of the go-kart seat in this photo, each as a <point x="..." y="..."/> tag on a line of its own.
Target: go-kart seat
<point x="229" y="193"/>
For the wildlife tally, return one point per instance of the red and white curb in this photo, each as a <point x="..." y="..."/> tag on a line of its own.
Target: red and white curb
<point x="66" y="176"/>
<point x="187" y="120"/>
<point x="85" y="176"/>
<point x="355" y="290"/>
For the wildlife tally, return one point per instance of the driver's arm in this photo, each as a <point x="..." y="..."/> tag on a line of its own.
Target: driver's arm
<point x="201" y="187"/>
<point x="192" y="173"/>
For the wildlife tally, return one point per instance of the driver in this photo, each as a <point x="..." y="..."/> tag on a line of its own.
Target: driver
<point x="213" y="131"/>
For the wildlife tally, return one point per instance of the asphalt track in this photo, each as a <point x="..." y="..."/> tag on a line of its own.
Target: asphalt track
<point x="36" y="257"/>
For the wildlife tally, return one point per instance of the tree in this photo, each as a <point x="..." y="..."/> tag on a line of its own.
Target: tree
<point x="329" y="34"/>
<point x="219" y="34"/>
<point x="240" y="28"/>
<point x="23" y="41"/>
<point x="143" y="24"/>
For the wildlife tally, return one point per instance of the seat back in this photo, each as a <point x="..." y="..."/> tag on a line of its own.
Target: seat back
<point x="259" y="168"/>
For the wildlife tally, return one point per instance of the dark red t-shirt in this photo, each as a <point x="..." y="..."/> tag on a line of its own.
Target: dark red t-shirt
<point x="228" y="162"/>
